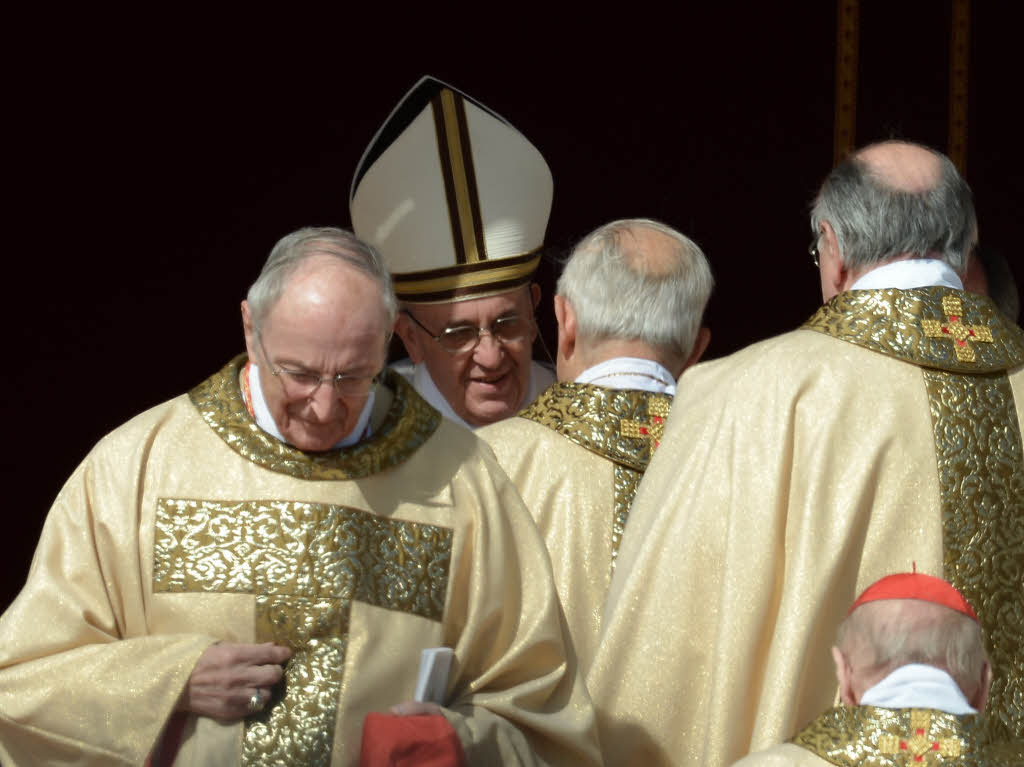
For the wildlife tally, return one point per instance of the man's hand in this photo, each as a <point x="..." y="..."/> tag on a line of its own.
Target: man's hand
<point x="227" y="675"/>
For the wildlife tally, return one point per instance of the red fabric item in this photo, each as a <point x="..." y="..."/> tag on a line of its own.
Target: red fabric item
<point x="404" y="741"/>
<point x="927" y="588"/>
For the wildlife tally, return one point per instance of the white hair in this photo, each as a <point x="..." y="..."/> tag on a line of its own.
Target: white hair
<point x="619" y="292"/>
<point x="293" y="249"/>
<point x="889" y="633"/>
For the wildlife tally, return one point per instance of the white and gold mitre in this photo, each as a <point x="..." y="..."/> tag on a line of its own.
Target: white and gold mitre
<point x="455" y="199"/>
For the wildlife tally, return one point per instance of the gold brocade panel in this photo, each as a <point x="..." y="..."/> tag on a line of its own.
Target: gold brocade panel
<point x="896" y="323"/>
<point x="626" y="482"/>
<point x="981" y="478"/>
<point x="305" y="563"/>
<point x="852" y="736"/>
<point x="408" y="424"/>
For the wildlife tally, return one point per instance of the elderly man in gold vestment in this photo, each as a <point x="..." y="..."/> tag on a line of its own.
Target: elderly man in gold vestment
<point x="913" y="678"/>
<point x="884" y="432"/>
<point x="242" y="574"/>
<point x="629" y="308"/>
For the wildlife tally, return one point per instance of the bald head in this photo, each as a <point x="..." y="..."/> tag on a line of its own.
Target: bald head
<point x="880" y="636"/>
<point x="902" y="166"/>
<point x="640" y="283"/>
<point x="896" y="200"/>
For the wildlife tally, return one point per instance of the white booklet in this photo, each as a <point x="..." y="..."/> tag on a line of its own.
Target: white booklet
<point x="432" y="683"/>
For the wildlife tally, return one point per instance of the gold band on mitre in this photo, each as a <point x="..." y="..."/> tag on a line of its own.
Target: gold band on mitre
<point x="470" y="281"/>
<point x="453" y="196"/>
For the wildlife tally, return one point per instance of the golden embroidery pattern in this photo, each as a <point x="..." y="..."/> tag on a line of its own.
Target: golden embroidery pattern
<point x="305" y="563"/>
<point x="920" y="747"/>
<point x="858" y="735"/>
<point x="626" y="482"/>
<point x="653" y="430"/>
<point x="893" y="323"/>
<point x="980" y="462"/>
<point x="592" y="417"/>
<point x="963" y="336"/>
<point x="409" y="423"/>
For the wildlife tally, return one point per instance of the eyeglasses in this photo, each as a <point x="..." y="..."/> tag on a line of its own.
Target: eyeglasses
<point x="464" y="338"/>
<point x="299" y="383"/>
<point x="813" y="250"/>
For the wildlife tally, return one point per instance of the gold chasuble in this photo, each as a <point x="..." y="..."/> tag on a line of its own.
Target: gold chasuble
<point x="883" y="435"/>
<point x="190" y="525"/>
<point x="855" y="736"/>
<point x="577" y="455"/>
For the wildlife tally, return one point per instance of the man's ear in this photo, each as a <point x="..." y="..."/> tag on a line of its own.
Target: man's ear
<point x="535" y="297"/>
<point x="980" y="698"/>
<point x="565" y="316"/>
<point x="836" y="276"/>
<point x="700" y="345"/>
<point x="845" y="676"/>
<point x="410" y="338"/>
<point x="250" y="331"/>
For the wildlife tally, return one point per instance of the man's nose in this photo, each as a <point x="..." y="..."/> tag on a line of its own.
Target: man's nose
<point x="489" y="351"/>
<point x="325" y="401"/>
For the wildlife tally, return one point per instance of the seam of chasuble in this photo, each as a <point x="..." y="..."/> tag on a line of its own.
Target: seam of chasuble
<point x="850" y="736"/>
<point x="304" y="563"/>
<point x="964" y="347"/>
<point x="408" y="423"/>
<point x="623" y="426"/>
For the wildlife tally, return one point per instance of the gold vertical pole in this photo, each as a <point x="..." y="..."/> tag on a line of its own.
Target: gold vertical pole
<point x="847" y="40"/>
<point x="959" y="53"/>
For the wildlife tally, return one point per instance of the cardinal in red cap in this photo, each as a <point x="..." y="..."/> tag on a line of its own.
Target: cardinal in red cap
<point x="913" y="677"/>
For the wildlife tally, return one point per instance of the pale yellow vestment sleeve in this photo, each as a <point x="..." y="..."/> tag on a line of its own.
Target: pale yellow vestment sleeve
<point x="72" y="645"/>
<point x="513" y="649"/>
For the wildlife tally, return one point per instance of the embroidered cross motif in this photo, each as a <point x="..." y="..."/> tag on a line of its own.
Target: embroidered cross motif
<point x="305" y="564"/>
<point x="963" y="336"/>
<point x="919" y="748"/>
<point x="653" y="430"/>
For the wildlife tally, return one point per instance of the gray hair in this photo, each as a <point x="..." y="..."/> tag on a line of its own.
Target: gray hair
<point x="890" y="633"/>
<point x="875" y="222"/>
<point x="292" y="250"/>
<point x="618" y="294"/>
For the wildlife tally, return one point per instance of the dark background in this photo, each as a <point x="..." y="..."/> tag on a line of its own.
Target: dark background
<point x="153" y="161"/>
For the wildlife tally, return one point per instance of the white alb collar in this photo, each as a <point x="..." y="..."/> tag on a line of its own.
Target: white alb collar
<point x="908" y="274"/>
<point x="266" y="421"/>
<point x="630" y="373"/>
<point x="918" y="686"/>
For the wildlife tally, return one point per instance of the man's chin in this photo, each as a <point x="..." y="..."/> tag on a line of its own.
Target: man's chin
<point x="484" y="411"/>
<point x="313" y="440"/>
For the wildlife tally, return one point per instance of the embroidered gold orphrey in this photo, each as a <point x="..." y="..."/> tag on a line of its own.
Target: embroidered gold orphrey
<point x="305" y="563"/>
<point x="408" y="424"/>
<point x="621" y="425"/>
<point x="978" y="451"/>
<point x="883" y="737"/>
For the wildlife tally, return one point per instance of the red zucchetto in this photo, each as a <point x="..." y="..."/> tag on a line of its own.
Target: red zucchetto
<point x="927" y="588"/>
